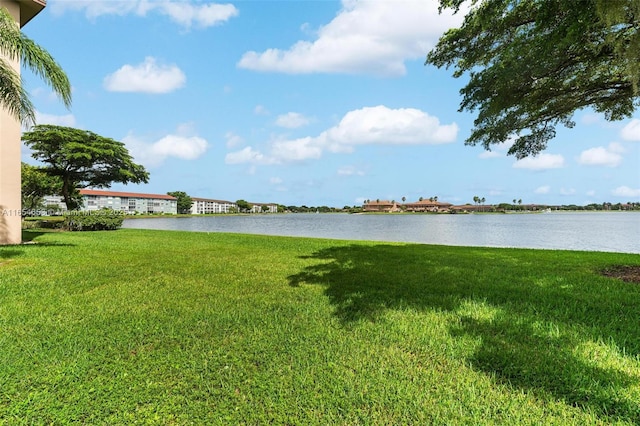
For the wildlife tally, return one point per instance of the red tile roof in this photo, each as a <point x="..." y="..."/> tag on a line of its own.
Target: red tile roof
<point x="125" y="194"/>
<point x="211" y="201"/>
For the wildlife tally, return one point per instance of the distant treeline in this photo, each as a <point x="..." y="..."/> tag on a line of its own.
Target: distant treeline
<point x="489" y="207"/>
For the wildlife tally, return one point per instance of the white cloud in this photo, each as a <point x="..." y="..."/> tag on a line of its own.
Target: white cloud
<point x="68" y="120"/>
<point x="366" y="126"/>
<point x="292" y="120"/>
<point x="275" y="181"/>
<point x="591" y="118"/>
<point x="203" y="16"/>
<point x="296" y="150"/>
<point x="601" y="156"/>
<point x="631" y="132"/>
<point x="498" y="150"/>
<point x="147" y="77"/>
<point x="260" y="110"/>
<point x="184" y="13"/>
<point x="591" y="193"/>
<point x="233" y="140"/>
<point x="540" y="162"/>
<point x="382" y="125"/>
<point x="567" y="191"/>
<point x="372" y="37"/>
<point x="247" y="155"/>
<point x="183" y="145"/>
<point x="545" y="189"/>
<point x="625" y="191"/>
<point x="490" y="154"/>
<point x="350" y="171"/>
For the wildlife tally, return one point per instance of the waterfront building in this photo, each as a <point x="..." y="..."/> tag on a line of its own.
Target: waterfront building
<point x="207" y="206"/>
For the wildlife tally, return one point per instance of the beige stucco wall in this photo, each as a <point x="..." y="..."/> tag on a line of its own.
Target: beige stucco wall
<point x="10" y="135"/>
<point x="10" y="203"/>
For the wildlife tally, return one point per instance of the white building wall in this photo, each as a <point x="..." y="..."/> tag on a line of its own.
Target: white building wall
<point x="145" y="205"/>
<point x="257" y="208"/>
<point x="203" y="206"/>
<point x="130" y="205"/>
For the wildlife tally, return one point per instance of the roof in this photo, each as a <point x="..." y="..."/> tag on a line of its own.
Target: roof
<point x="379" y="203"/>
<point x="428" y="202"/>
<point x="29" y="9"/>
<point x="208" y="200"/>
<point x="125" y="194"/>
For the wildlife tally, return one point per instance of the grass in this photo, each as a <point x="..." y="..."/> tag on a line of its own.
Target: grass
<point x="158" y="327"/>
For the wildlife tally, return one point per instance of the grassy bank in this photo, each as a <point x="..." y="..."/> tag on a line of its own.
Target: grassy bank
<point x="177" y="328"/>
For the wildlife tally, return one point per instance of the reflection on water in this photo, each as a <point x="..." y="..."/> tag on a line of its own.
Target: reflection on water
<point x="610" y="231"/>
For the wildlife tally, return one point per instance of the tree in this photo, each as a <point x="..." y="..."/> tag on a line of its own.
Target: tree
<point x="15" y="45"/>
<point x="184" y="201"/>
<point x="404" y="199"/>
<point x="532" y="64"/>
<point x="243" y="206"/>
<point x="81" y="158"/>
<point x="36" y="184"/>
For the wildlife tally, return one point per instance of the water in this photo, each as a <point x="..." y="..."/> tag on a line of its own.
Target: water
<point x="596" y="231"/>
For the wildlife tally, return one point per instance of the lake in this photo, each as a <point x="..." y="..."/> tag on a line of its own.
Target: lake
<point x="592" y="231"/>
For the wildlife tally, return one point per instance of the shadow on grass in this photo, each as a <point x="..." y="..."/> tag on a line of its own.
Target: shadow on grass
<point x="29" y="236"/>
<point x="8" y="253"/>
<point x="548" y="311"/>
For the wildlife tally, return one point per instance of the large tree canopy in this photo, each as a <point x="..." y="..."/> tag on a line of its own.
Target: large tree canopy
<point x="184" y="201"/>
<point x="82" y="158"/>
<point x="15" y="45"/>
<point x="533" y="63"/>
<point x="36" y="184"/>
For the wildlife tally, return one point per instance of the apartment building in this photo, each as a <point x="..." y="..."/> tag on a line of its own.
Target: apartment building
<point x="128" y="202"/>
<point x="207" y="206"/>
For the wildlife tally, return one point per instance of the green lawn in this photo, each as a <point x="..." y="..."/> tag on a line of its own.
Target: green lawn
<point x="158" y="327"/>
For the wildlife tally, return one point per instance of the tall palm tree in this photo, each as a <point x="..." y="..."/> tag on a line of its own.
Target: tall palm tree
<point x="14" y="45"/>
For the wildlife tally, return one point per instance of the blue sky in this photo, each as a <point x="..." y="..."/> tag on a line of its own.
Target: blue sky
<point x="303" y="103"/>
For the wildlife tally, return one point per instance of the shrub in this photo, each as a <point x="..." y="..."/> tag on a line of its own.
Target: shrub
<point x="101" y="220"/>
<point x="40" y="223"/>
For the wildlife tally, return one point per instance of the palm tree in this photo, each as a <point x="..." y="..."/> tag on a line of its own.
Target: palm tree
<point x="15" y="50"/>
<point x="14" y="45"/>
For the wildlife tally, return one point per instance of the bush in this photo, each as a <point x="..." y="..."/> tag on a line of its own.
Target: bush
<point x="101" y="220"/>
<point x="40" y="223"/>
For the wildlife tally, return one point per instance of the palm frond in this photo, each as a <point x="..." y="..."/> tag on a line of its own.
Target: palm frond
<point x="14" y="45"/>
